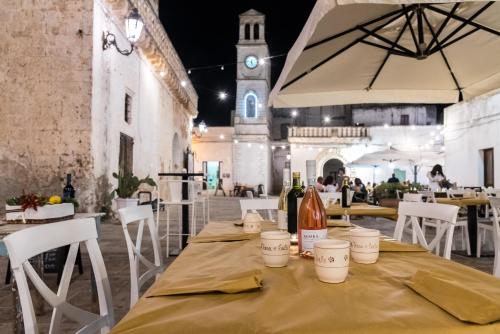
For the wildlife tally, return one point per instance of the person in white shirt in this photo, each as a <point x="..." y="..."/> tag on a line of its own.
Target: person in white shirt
<point x="435" y="176"/>
<point x="328" y="183"/>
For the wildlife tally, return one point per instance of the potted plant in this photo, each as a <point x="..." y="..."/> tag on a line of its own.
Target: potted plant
<point x="37" y="208"/>
<point x="128" y="184"/>
<point x="385" y="194"/>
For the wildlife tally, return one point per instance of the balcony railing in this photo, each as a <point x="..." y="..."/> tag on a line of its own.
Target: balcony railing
<point x="328" y="132"/>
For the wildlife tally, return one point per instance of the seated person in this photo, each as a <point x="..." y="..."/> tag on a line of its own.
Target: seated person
<point x="319" y="184"/>
<point x="328" y="183"/>
<point x="360" y="192"/>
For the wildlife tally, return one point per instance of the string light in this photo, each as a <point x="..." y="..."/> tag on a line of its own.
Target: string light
<point x="162" y="74"/>
<point x="183" y="83"/>
<point x="288" y="157"/>
<point x="327" y="119"/>
<point x="273" y="147"/>
<point x="236" y="141"/>
<point x="221" y="136"/>
<point x="221" y="66"/>
<point x="222" y="95"/>
<point x="249" y="144"/>
<point x="261" y="147"/>
<point x="438" y="127"/>
<point x="389" y="144"/>
<point x="413" y="127"/>
<point x="386" y="126"/>
<point x="442" y="148"/>
<point x="294" y="113"/>
<point x="283" y="147"/>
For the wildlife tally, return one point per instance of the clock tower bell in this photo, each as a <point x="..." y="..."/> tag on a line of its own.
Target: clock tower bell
<point x="252" y="152"/>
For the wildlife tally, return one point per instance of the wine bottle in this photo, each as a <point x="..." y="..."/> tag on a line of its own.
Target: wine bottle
<point x="293" y="194"/>
<point x="346" y="193"/>
<point x="312" y="216"/>
<point x="68" y="191"/>
<point x="283" y="203"/>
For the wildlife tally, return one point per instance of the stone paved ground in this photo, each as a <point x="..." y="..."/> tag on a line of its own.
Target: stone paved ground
<point x="115" y="256"/>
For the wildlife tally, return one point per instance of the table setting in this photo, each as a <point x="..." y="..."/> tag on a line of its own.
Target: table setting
<point x="358" y="282"/>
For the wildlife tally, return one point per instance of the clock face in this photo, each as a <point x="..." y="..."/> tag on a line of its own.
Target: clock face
<point x="251" y="62"/>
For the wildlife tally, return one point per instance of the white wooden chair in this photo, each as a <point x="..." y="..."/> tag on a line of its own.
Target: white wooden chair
<point x="269" y="204"/>
<point x="445" y="214"/>
<point x="143" y="215"/>
<point x="333" y="197"/>
<point x="27" y="243"/>
<point x="408" y="197"/>
<point x="173" y="194"/>
<point x="429" y="196"/>
<point x="201" y="196"/>
<point x="494" y="228"/>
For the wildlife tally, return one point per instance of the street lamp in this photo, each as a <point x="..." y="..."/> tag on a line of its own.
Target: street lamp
<point x="202" y="126"/>
<point x="133" y="29"/>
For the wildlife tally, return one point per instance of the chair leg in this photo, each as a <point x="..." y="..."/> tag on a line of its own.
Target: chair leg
<point x="193" y="220"/>
<point x="467" y="241"/>
<point x="204" y="213"/>
<point x="168" y="230"/>
<point x="208" y="210"/>
<point x="496" y="263"/>
<point x="478" y="243"/>
<point x="180" y="227"/>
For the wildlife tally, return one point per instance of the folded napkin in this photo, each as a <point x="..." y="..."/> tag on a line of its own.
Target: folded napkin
<point x="395" y="246"/>
<point x="222" y="237"/>
<point x="338" y="223"/>
<point x="229" y="281"/>
<point x="456" y="297"/>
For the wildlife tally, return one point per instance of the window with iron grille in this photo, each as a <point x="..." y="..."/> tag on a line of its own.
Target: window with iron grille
<point x="405" y="120"/>
<point x="128" y="108"/>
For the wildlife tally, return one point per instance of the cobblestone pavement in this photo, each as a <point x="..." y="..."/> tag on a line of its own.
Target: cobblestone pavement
<point x="113" y="247"/>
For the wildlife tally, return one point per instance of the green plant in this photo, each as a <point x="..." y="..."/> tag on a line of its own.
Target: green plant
<point x="128" y="184"/>
<point x="13" y="201"/>
<point x="388" y="190"/>
<point x="72" y="201"/>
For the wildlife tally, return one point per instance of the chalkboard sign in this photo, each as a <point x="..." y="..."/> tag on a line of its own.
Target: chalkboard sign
<point x="51" y="261"/>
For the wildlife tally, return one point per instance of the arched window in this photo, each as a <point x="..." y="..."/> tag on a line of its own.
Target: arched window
<point x="251" y="105"/>
<point x="247" y="31"/>
<point x="256" y="31"/>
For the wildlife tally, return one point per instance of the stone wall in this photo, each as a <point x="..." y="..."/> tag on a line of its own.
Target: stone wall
<point x="45" y="102"/>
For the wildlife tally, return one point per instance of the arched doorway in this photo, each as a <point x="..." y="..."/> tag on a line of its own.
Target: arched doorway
<point x="331" y="167"/>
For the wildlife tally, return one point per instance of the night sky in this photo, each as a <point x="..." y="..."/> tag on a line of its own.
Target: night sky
<point x="206" y="32"/>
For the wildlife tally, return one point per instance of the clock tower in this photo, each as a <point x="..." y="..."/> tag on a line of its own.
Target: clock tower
<point x="252" y="152"/>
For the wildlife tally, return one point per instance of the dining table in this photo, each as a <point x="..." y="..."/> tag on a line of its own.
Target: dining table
<point x="472" y="204"/>
<point x="362" y="209"/>
<point x="219" y="284"/>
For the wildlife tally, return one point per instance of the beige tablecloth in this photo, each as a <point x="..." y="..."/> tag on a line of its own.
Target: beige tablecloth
<point x="463" y="201"/>
<point x="374" y="299"/>
<point x="362" y="209"/>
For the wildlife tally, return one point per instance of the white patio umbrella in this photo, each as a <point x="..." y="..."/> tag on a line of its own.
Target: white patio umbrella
<point x="400" y="157"/>
<point x="392" y="51"/>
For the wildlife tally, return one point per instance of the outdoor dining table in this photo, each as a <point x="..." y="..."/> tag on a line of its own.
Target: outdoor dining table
<point x="471" y="204"/>
<point x="219" y="284"/>
<point x="362" y="209"/>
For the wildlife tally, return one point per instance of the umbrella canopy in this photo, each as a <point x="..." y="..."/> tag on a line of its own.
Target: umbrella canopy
<point x="400" y="157"/>
<point x="392" y="51"/>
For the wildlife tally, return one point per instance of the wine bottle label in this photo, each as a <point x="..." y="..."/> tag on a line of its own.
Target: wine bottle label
<point x="309" y="237"/>
<point x="282" y="220"/>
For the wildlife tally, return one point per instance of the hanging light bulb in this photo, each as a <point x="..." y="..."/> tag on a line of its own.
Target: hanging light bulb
<point x="189" y="71"/>
<point x="413" y="127"/>
<point x="294" y="113"/>
<point x="222" y="95"/>
<point x="261" y="147"/>
<point x="273" y="147"/>
<point x="283" y="147"/>
<point x="288" y="157"/>
<point x="249" y="144"/>
<point x="222" y="68"/>
<point x="236" y="141"/>
<point x="327" y="119"/>
<point x="386" y="126"/>
<point x="183" y="83"/>
<point x="262" y="61"/>
<point x="221" y="136"/>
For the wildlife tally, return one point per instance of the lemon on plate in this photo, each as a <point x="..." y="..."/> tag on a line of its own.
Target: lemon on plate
<point x="55" y="199"/>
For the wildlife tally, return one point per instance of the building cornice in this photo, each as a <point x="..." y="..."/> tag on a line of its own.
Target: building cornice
<point x="156" y="47"/>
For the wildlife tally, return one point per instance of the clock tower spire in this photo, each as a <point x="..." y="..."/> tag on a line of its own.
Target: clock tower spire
<point x="252" y="116"/>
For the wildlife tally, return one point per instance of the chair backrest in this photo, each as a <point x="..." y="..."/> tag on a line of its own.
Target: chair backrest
<point x="446" y="215"/>
<point x="141" y="215"/>
<point x="333" y="197"/>
<point x="172" y="190"/>
<point x="399" y="194"/>
<point x="429" y="195"/>
<point x="495" y="206"/>
<point x="33" y="241"/>
<point x="259" y="204"/>
<point x="407" y="197"/>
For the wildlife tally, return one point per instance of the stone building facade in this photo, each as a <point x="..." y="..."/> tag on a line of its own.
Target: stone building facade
<point x="64" y="98"/>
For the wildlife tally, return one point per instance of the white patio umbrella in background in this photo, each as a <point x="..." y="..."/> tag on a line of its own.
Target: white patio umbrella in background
<point x="392" y="51"/>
